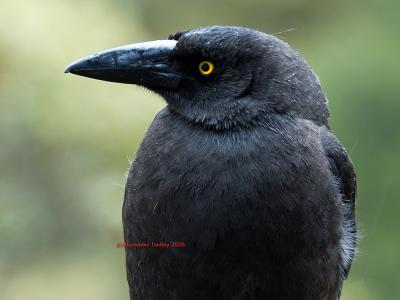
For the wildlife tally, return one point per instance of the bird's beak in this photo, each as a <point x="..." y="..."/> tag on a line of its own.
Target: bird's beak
<point x="144" y="64"/>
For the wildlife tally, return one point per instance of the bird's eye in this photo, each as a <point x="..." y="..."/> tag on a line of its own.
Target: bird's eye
<point x="206" y="68"/>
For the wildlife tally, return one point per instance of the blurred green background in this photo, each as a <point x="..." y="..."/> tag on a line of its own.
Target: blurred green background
<point x="66" y="142"/>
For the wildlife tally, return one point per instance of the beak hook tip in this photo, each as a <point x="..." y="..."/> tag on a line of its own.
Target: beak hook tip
<point x="67" y="69"/>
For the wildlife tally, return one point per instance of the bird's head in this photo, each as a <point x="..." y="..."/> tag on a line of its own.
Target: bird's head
<point x="219" y="77"/>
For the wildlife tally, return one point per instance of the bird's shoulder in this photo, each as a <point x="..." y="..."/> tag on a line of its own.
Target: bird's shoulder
<point x="340" y="164"/>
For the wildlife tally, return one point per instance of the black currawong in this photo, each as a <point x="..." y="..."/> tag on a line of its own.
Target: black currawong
<point x="240" y="166"/>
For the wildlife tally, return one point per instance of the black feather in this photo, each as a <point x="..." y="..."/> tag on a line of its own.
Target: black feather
<point x="242" y="168"/>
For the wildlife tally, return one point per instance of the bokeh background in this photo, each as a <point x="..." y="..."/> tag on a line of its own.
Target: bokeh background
<point x="66" y="142"/>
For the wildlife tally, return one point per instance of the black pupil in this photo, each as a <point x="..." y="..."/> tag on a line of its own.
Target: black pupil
<point x="205" y="67"/>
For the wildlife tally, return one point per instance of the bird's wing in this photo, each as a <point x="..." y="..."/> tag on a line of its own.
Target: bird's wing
<point x="340" y="164"/>
<point x="341" y="167"/>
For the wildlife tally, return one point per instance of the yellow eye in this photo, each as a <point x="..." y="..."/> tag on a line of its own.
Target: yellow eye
<point x="206" y="68"/>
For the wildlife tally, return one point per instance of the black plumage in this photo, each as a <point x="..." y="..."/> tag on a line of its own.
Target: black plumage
<point x="240" y="166"/>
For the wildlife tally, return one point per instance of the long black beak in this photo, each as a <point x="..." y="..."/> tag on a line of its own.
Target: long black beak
<point x="143" y="64"/>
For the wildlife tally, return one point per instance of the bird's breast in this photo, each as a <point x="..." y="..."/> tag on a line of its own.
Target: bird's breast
<point x="196" y="185"/>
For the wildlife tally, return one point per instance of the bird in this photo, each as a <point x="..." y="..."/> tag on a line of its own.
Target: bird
<point x="240" y="169"/>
